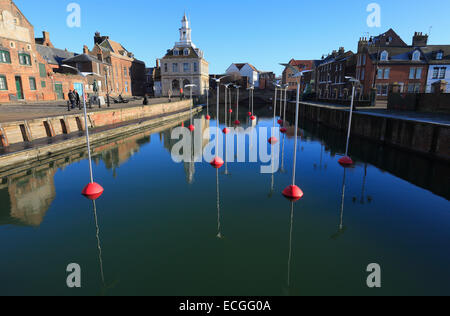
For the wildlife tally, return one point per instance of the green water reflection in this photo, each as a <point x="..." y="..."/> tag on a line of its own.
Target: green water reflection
<point x="163" y="228"/>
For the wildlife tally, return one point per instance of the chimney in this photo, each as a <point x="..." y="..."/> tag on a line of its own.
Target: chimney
<point x="85" y="49"/>
<point x="362" y="43"/>
<point x="97" y="38"/>
<point x="420" y="39"/>
<point x="341" y="50"/>
<point x="46" y="39"/>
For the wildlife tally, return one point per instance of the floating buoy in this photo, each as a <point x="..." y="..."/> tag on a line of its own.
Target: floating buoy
<point x="250" y="114"/>
<point x="280" y="121"/>
<point x="273" y="140"/>
<point x="225" y="130"/>
<point x="92" y="191"/>
<point x="237" y="122"/>
<point x="217" y="162"/>
<point x="230" y="111"/>
<point x="208" y="117"/>
<point x="293" y="193"/>
<point x="253" y="118"/>
<point x="283" y="130"/>
<point x="191" y="128"/>
<point x="346" y="161"/>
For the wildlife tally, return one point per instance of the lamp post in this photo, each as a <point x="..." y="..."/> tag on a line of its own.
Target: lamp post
<point x="208" y="117"/>
<point x="93" y="190"/>
<point x="283" y="120"/>
<point x="191" y="86"/>
<point x="227" y="86"/>
<point x="293" y="192"/>
<point x="273" y="140"/>
<point x="217" y="162"/>
<point x="346" y="161"/>
<point x="237" y="122"/>
<point x="107" y="86"/>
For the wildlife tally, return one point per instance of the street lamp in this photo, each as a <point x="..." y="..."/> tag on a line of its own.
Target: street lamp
<point x="293" y="192"/>
<point x="273" y="140"/>
<point x="190" y="86"/>
<point x="237" y="122"/>
<point x="346" y="161"/>
<point x="93" y="190"/>
<point x="217" y="162"/>
<point x="227" y="86"/>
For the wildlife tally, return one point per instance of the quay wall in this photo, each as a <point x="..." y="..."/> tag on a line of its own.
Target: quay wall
<point x="47" y="127"/>
<point x="422" y="137"/>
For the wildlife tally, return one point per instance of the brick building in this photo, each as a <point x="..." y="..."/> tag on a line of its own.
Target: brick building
<point x="126" y="74"/>
<point x="387" y="59"/>
<point x="29" y="67"/>
<point x="331" y="73"/>
<point x="301" y="65"/>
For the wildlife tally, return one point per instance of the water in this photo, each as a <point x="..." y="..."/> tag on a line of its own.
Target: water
<point x="158" y="223"/>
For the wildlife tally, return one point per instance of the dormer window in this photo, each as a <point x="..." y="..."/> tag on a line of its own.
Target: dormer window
<point x="176" y="52"/>
<point x="384" y="56"/>
<point x="186" y="52"/>
<point x="439" y="55"/>
<point x="416" y="56"/>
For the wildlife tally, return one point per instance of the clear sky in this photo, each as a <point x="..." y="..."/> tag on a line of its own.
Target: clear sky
<point x="260" y="32"/>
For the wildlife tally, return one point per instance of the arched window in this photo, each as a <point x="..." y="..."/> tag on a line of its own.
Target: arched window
<point x="186" y="82"/>
<point x="186" y="52"/>
<point x="384" y="56"/>
<point x="176" y="52"/>
<point x="416" y="56"/>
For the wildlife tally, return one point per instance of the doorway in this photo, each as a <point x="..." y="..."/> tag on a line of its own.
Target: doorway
<point x="59" y="91"/>
<point x="19" y="88"/>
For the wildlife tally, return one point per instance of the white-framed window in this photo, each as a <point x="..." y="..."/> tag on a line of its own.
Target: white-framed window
<point x="442" y="73"/>
<point x="439" y="55"/>
<point x="416" y="56"/>
<point x="435" y="73"/>
<point x="195" y="67"/>
<point x="382" y="89"/>
<point x="414" y="88"/>
<point x="186" y="52"/>
<point x="415" y="73"/>
<point x="384" y="56"/>
<point x="418" y="73"/>
<point x="166" y="69"/>
<point x="174" y="67"/>
<point x="186" y="67"/>
<point x="387" y="72"/>
<point x="176" y="52"/>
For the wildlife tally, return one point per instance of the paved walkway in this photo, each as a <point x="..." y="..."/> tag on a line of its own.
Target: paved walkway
<point x="20" y="112"/>
<point x="422" y="117"/>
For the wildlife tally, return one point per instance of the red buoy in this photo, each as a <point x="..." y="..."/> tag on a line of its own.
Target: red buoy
<point x="250" y="114"/>
<point x="283" y="130"/>
<point x="280" y="122"/>
<point x="293" y="193"/>
<point x="346" y="161"/>
<point x="253" y="118"/>
<point x="273" y="140"/>
<point x="191" y="128"/>
<point x="92" y="191"/>
<point x="237" y="122"/>
<point x="230" y="111"/>
<point x="208" y="117"/>
<point x="217" y="162"/>
<point x="225" y="130"/>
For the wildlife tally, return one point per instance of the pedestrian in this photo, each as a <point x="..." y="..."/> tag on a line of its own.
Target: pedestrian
<point x="72" y="99"/>
<point x="77" y="99"/>
<point x="145" y="100"/>
<point x="181" y="93"/>
<point x="170" y="95"/>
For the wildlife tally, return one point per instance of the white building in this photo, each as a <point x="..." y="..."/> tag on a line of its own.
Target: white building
<point x="438" y="57"/>
<point x="184" y="64"/>
<point x="245" y="70"/>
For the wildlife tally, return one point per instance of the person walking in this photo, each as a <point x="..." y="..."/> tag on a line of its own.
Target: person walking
<point x="181" y="93"/>
<point x="72" y="99"/>
<point x="77" y="99"/>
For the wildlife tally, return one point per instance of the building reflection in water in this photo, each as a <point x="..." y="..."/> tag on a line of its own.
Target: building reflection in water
<point x="26" y="196"/>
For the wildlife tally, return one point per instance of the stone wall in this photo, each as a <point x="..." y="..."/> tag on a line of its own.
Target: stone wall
<point x="420" y="102"/>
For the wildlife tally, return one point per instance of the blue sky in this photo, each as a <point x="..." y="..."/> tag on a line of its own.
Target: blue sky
<point x="261" y="32"/>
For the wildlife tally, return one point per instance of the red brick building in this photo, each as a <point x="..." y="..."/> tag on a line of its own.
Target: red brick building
<point x="387" y="59"/>
<point x="126" y="73"/>
<point x="331" y="73"/>
<point x="25" y="75"/>
<point x="301" y="65"/>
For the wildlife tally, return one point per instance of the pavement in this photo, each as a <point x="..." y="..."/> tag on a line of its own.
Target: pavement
<point x="382" y="111"/>
<point x="21" y="112"/>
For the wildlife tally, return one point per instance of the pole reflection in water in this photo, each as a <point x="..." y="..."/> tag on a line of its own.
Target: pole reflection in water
<point x="282" y="155"/>
<point x="341" y="228"/>
<point x="219" y="227"/>
<point x="290" y="248"/>
<point x="98" y="243"/>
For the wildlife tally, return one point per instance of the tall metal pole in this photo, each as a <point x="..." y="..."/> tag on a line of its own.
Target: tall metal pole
<point x="296" y="133"/>
<point x="217" y="118"/>
<point x="350" y="121"/>
<point x="87" y="135"/>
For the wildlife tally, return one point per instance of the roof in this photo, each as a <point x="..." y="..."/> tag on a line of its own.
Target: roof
<point x="53" y="56"/>
<point x="113" y="46"/>
<point x="241" y="65"/>
<point x="192" y="53"/>
<point x="82" y="58"/>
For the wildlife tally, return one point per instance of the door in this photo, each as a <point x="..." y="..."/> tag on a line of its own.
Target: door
<point x="59" y="91"/>
<point x="19" y="88"/>
<point x="79" y="87"/>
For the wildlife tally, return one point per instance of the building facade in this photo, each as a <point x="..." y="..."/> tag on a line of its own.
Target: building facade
<point x="183" y="65"/>
<point x="300" y="65"/>
<point x="245" y="70"/>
